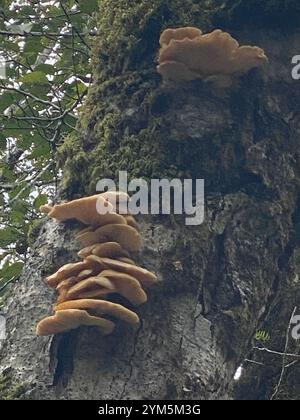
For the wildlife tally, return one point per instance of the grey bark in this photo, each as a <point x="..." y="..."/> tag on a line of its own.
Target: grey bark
<point x="199" y="323"/>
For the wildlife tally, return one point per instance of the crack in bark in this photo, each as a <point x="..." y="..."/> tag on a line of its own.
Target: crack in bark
<point x="130" y="361"/>
<point x="284" y="258"/>
<point x="63" y="350"/>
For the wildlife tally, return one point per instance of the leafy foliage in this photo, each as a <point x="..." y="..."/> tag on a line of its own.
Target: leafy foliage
<point x="45" y="46"/>
<point x="262" y="336"/>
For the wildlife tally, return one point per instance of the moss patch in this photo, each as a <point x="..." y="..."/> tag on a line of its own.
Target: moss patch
<point x="126" y="123"/>
<point x="125" y="79"/>
<point x="9" y="389"/>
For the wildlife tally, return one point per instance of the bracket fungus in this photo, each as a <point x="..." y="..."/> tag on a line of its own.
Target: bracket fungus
<point x="145" y="277"/>
<point x="107" y="249"/>
<point x="102" y="307"/>
<point x="127" y="286"/>
<point x="188" y="54"/>
<point x="81" y="268"/>
<point x="125" y="235"/>
<point x="110" y="250"/>
<point x="126" y="260"/>
<point x="130" y="220"/>
<point x="70" y="319"/>
<point x="106" y="267"/>
<point x="99" y="284"/>
<point x="84" y="210"/>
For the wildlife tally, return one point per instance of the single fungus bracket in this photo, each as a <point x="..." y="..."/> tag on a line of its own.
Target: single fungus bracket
<point x="106" y="267"/>
<point x="187" y="54"/>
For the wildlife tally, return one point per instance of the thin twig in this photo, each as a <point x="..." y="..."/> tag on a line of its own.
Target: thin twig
<point x="32" y="182"/>
<point x="73" y="27"/>
<point x="7" y="283"/>
<point x="254" y="362"/>
<point x="292" y="363"/>
<point x="30" y="95"/>
<point x="277" y="353"/>
<point x="284" y="355"/>
<point x="48" y="34"/>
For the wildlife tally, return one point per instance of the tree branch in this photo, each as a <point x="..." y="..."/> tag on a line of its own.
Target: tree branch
<point x="47" y="34"/>
<point x="29" y="95"/>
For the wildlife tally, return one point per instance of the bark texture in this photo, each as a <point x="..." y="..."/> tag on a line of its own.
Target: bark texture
<point x="238" y="267"/>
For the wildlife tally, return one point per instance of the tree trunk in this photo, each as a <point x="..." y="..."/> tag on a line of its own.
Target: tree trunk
<point x="199" y="323"/>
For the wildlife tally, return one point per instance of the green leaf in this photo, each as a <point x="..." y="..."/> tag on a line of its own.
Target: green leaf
<point x="3" y="142"/>
<point x="8" y="236"/>
<point x="45" y="68"/>
<point x="88" y="6"/>
<point x="20" y="206"/>
<point x="48" y="18"/>
<point x="19" y="190"/>
<point x="24" y="27"/>
<point x="6" y="174"/>
<point x="35" y="78"/>
<point x="40" y="201"/>
<point x="2" y="201"/>
<point x="6" y="100"/>
<point x="25" y="141"/>
<point x="3" y="255"/>
<point x="28" y="10"/>
<point x="17" y="216"/>
<point x="42" y="149"/>
<point x="9" y="271"/>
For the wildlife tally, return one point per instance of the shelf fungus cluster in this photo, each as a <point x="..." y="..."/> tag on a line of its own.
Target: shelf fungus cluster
<point x="105" y="269"/>
<point x="188" y="54"/>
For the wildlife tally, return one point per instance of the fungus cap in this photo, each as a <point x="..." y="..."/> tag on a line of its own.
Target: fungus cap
<point x="126" y="260"/>
<point x="87" y="229"/>
<point x="66" y="284"/>
<point x="198" y="56"/>
<point x="119" y="200"/>
<point x="67" y="271"/>
<point x="106" y="249"/>
<point x="92" y="283"/>
<point x="127" y="286"/>
<point x="85" y="252"/>
<point x="130" y="220"/>
<point x="109" y="250"/>
<point x="145" y="277"/>
<point x="84" y="210"/>
<point x="70" y="319"/>
<point x="102" y="307"/>
<point x="115" y="197"/>
<point x="123" y="234"/>
<point x="81" y="269"/>
<point x="180" y="33"/>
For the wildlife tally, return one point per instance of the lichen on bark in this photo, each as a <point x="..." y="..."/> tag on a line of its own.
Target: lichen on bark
<point x="10" y="388"/>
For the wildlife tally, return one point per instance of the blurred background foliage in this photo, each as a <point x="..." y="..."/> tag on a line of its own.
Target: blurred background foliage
<point x="44" y="77"/>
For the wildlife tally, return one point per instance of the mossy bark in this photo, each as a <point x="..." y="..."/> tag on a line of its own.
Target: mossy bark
<point x="200" y="321"/>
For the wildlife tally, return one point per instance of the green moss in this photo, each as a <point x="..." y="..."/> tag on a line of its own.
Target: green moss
<point x="75" y="162"/>
<point x="126" y="123"/>
<point x="141" y="139"/>
<point x="129" y="32"/>
<point x="9" y="389"/>
<point x="49" y="267"/>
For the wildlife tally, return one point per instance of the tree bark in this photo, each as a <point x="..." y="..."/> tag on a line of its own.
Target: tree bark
<point x="199" y="323"/>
